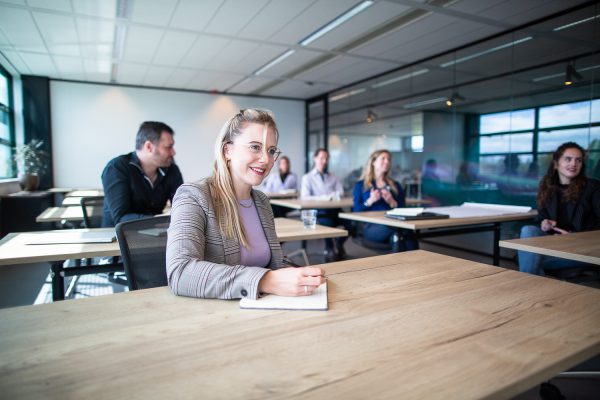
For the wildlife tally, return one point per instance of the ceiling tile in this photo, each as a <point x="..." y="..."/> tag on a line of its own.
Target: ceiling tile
<point x="156" y="12"/>
<point x="233" y="16"/>
<point x="65" y="49"/>
<point x="4" y="42"/>
<point x="56" y="28"/>
<point x="57" y="5"/>
<point x="181" y="77"/>
<point x="100" y="51"/>
<point x="173" y="47"/>
<point x="99" y="8"/>
<point x="157" y="76"/>
<point x="39" y="64"/>
<point x="194" y="15"/>
<point x="291" y="63"/>
<point x="294" y="89"/>
<point x="131" y="74"/>
<point x="95" y="31"/>
<point x="92" y="67"/>
<point x="359" y="25"/>
<point x="19" y="28"/>
<point x="203" y="51"/>
<point x="204" y="80"/>
<point x="259" y="56"/>
<point x="69" y="67"/>
<point x="16" y="61"/>
<point x="141" y="43"/>
<point x="20" y="2"/>
<point x="317" y="15"/>
<point x="250" y="84"/>
<point x="339" y="69"/>
<point x="228" y="59"/>
<point x="273" y="18"/>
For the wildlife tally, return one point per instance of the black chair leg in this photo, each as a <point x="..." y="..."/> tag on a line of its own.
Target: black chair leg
<point x="550" y="392"/>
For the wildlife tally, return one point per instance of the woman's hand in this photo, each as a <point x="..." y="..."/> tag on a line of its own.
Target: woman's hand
<point x="389" y="198"/>
<point x="374" y="197"/>
<point x="547" y="225"/>
<point x="291" y="281"/>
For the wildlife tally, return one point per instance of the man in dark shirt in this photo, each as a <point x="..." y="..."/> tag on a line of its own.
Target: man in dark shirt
<point x="138" y="184"/>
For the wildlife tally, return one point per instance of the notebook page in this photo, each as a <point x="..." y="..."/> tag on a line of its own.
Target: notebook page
<point x="316" y="301"/>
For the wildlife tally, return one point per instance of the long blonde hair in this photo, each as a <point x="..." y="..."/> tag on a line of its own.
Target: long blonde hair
<point x="368" y="174"/>
<point x="221" y="184"/>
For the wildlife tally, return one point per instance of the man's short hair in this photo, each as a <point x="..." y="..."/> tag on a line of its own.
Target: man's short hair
<point x="151" y="130"/>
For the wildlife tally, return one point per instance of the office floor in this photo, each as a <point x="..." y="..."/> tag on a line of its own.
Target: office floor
<point x="583" y="389"/>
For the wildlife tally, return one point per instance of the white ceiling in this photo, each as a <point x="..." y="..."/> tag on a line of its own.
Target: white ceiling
<point x="220" y="44"/>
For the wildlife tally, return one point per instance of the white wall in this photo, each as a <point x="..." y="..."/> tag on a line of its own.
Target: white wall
<point x="93" y="123"/>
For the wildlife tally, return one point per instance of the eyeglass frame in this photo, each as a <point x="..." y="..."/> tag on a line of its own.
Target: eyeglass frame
<point x="274" y="156"/>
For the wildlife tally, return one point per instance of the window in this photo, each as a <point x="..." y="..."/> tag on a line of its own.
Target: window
<point x="570" y="114"/>
<point x="507" y="121"/>
<point x="416" y="143"/>
<point x="6" y="126"/>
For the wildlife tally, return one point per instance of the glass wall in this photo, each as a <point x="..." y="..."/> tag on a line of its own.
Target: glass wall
<point x="7" y="139"/>
<point x="478" y="123"/>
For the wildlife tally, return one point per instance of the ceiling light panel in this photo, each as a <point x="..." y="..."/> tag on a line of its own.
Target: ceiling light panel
<point x="155" y="12"/>
<point x="311" y="19"/>
<point x="173" y="47"/>
<point x="194" y="15"/>
<point x="256" y="59"/>
<point x="203" y="51"/>
<point x="233" y="16"/>
<point x="141" y="43"/>
<point x="93" y="31"/>
<point x="291" y="63"/>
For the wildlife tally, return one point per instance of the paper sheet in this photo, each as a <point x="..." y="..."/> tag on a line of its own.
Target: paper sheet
<point x="478" y="210"/>
<point x="316" y="301"/>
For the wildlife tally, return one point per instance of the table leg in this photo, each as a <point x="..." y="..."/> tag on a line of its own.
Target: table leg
<point x="497" y="244"/>
<point x="58" y="281"/>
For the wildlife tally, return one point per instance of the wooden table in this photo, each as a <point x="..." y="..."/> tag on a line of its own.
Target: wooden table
<point x="14" y="250"/>
<point x="414" y="325"/>
<point x="346" y="202"/>
<point x="442" y="227"/>
<point x="581" y="246"/>
<point x="67" y="214"/>
<point x="85" y="193"/>
<point x="282" y="195"/>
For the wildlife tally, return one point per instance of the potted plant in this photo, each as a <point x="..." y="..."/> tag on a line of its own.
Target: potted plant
<point x="32" y="162"/>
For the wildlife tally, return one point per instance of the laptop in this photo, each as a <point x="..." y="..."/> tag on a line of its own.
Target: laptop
<point x="419" y="216"/>
<point x="72" y="237"/>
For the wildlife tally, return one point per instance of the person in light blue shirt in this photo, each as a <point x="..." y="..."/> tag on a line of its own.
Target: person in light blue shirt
<point x="283" y="180"/>
<point x="320" y="184"/>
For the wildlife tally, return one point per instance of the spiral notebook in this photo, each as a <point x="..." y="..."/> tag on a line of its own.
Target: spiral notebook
<point x="316" y="301"/>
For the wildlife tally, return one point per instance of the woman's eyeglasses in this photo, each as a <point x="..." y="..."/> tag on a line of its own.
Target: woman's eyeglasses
<point x="256" y="148"/>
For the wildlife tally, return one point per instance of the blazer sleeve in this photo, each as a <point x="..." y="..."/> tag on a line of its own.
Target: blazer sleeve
<point x="189" y="271"/>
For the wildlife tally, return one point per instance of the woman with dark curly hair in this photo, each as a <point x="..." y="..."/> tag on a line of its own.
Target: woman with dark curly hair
<point x="568" y="202"/>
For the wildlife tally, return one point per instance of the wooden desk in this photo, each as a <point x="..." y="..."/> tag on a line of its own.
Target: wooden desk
<point x="299" y="204"/>
<point x="415" y="325"/>
<point x="14" y="250"/>
<point x="67" y="213"/>
<point x="442" y="227"/>
<point x="282" y="195"/>
<point x="85" y="193"/>
<point x="581" y="246"/>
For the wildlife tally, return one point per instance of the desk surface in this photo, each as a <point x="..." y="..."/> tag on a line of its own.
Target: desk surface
<point x="67" y="213"/>
<point x="378" y="217"/>
<point x="413" y="325"/>
<point x="581" y="246"/>
<point x="13" y="249"/>
<point x="85" y="193"/>
<point x="346" y="202"/>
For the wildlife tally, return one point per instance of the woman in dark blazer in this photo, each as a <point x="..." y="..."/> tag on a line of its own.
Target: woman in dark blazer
<point x="568" y="202"/>
<point x="222" y="241"/>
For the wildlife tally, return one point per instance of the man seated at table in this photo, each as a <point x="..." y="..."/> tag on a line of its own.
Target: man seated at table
<point x="318" y="184"/>
<point x="139" y="184"/>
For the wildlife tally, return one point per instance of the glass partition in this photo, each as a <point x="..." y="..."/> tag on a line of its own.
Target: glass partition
<point x="476" y="123"/>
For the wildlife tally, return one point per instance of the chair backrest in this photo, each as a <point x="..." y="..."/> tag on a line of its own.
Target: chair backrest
<point x="143" y="244"/>
<point x="92" y="211"/>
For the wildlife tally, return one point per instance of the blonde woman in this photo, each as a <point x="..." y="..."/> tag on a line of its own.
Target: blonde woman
<point x="222" y="241"/>
<point x="377" y="191"/>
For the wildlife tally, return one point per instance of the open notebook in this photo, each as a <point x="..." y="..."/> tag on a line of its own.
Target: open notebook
<point x="413" y="213"/>
<point x="316" y="301"/>
<point x="69" y="237"/>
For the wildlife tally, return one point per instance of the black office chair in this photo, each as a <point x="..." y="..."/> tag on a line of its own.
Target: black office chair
<point x="143" y="244"/>
<point x="92" y="211"/>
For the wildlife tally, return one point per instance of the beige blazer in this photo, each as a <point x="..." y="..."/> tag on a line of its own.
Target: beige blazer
<point x="201" y="262"/>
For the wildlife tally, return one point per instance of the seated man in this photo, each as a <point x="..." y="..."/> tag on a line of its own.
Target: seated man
<point x="319" y="183"/>
<point x="138" y="184"/>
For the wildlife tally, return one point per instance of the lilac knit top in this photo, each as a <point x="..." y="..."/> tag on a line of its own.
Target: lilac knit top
<point x="259" y="253"/>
